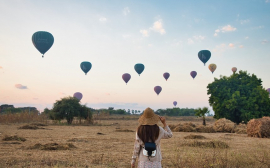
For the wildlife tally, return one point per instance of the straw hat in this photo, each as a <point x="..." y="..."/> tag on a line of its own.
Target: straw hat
<point x="148" y="117"/>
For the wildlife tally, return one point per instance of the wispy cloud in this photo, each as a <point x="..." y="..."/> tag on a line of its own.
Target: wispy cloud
<point x="158" y="27"/>
<point x="126" y="11"/>
<point x="199" y="37"/>
<point x="264" y="41"/>
<point x="224" y="29"/>
<point x="231" y="45"/>
<point x="190" y="41"/>
<point x="1" y="67"/>
<point x="241" y="46"/>
<point x="258" y="27"/>
<point x="61" y="93"/>
<point x="103" y="19"/>
<point x="244" y="21"/>
<point x="145" y="33"/>
<point x="20" y="86"/>
<point x="246" y="37"/>
<point x="267" y="1"/>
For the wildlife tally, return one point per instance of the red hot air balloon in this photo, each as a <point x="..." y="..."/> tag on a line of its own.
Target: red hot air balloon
<point x="78" y="95"/>
<point x="193" y="74"/>
<point x="157" y="89"/>
<point x="166" y="75"/>
<point x="175" y="103"/>
<point x="126" y="77"/>
<point x="234" y="69"/>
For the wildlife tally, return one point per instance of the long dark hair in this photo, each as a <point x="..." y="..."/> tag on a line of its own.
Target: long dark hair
<point x="148" y="133"/>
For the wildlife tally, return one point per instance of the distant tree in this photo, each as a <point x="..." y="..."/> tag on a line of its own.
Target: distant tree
<point x="136" y="111"/>
<point x="133" y="112"/>
<point x="85" y="113"/>
<point x="67" y="108"/>
<point x="128" y="111"/>
<point x="239" y="97"/>
<point x="46" y="111"/>
<point x="202" y="113"/>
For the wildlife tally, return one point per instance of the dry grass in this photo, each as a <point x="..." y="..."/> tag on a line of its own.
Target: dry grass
<point x="194" y="137"/>
<point x="114" y="149"/>
<point x="53" y="146"/>
<point x="23" y="117"/>
<point x="13" y="138"/>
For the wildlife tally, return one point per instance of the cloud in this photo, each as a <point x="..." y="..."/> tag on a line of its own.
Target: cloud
<point x="126" y="11"/>
<point x="199" y="37"/>
<point x="231" y="45"/>
<point x="258" y="27"/>
<point x="1" y="67"/>
<point x="190" y="41"/>
<point x="241" y="46"/>
<point x="103" y="19"/>
<point x="246" y="37"/>
<point x="264" y="41"/>
<point x="145" y="33"/>
<point x="267" y="1"/>
<point x="224" y="29"/>
<point x="244" y="21"/>
<point x="19" y="86"/>
<point x="61" y="93"/>
<point x="158" y="27"/>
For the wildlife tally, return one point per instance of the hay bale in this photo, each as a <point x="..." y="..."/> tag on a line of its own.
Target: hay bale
<point x="205" y="129"/>
<point x="171" y="126"/>
<point x="224" y="125"/>
<point x="259" y="127"/>
<point x="194" y="137"/>
<point x="207" y="144"/>
<point x="241" y="129"/>
<point x="29" y="127"/>
<point x="184" y="128"/>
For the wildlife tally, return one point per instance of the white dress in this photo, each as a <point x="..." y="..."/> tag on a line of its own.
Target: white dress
<point x="154" y="162"/>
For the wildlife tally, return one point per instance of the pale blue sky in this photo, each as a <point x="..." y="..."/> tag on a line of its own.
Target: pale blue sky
<point x="165" y="36"/>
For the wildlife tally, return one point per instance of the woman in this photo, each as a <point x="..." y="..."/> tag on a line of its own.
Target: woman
<point x="149" y="131"/>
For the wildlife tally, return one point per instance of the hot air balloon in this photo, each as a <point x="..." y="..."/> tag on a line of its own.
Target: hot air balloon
<point x="175" y="103"/>
<point x="204" y="55"/>
<point x="126" y="77"/>
<point x="139" y="68"/>
<point x="157" y="89"/>
<point x="86" y="66"/>
<point x="193" y="74"/>
<point x="268" y="90"/>
<point x="234" y="69"/>
<point x="78" y="95"/>
<point x="212" y="67"/>
<point x="166" y="75"/>
<point x="42" y="41"/>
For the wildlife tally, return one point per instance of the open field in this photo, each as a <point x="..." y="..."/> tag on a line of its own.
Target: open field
<point x="109" y="143"/>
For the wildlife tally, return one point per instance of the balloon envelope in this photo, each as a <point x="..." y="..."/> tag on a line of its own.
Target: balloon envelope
<point x="234" y="69"/>
<point x="268" y="90"/>
<point x="139" y="68"/>
<point x="204" y="55"/>
<point x="166" y="75"/>
<point x="43" y="41"/>
<point x="126" y="77"/>
<point x="193" y="74"/>
<point x="175" y="103"/>
<point x="212" y="67"/>
<point x="86" y="66"/>
<point x="78" y="95"/>
<point x="157" y="89"/>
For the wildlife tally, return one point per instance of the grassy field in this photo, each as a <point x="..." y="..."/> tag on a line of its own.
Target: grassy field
<point x="109" y="143"/>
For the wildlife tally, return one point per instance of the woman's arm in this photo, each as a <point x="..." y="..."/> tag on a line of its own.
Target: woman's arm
<point x="167" y="132"/>
<point x="136" y="151"/>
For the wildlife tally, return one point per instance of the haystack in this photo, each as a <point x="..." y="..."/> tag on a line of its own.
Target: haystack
<point x="224" y="125"/>
<point x="241" y="129"/>
<point x="205" y="129"/>
<point x="185" y="127"/>
<point x="259" y="127"/>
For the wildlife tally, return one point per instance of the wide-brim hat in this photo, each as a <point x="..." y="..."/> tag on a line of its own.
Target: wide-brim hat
<point x="148" y="117"/>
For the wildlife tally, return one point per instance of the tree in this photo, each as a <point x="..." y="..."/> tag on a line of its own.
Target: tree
<point x="201" y="113"/>
<point x="67" y="107"/>
<point x="239" y="97"/>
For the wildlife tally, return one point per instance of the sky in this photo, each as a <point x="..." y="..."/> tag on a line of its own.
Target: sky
<point x="165" y="36"/>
